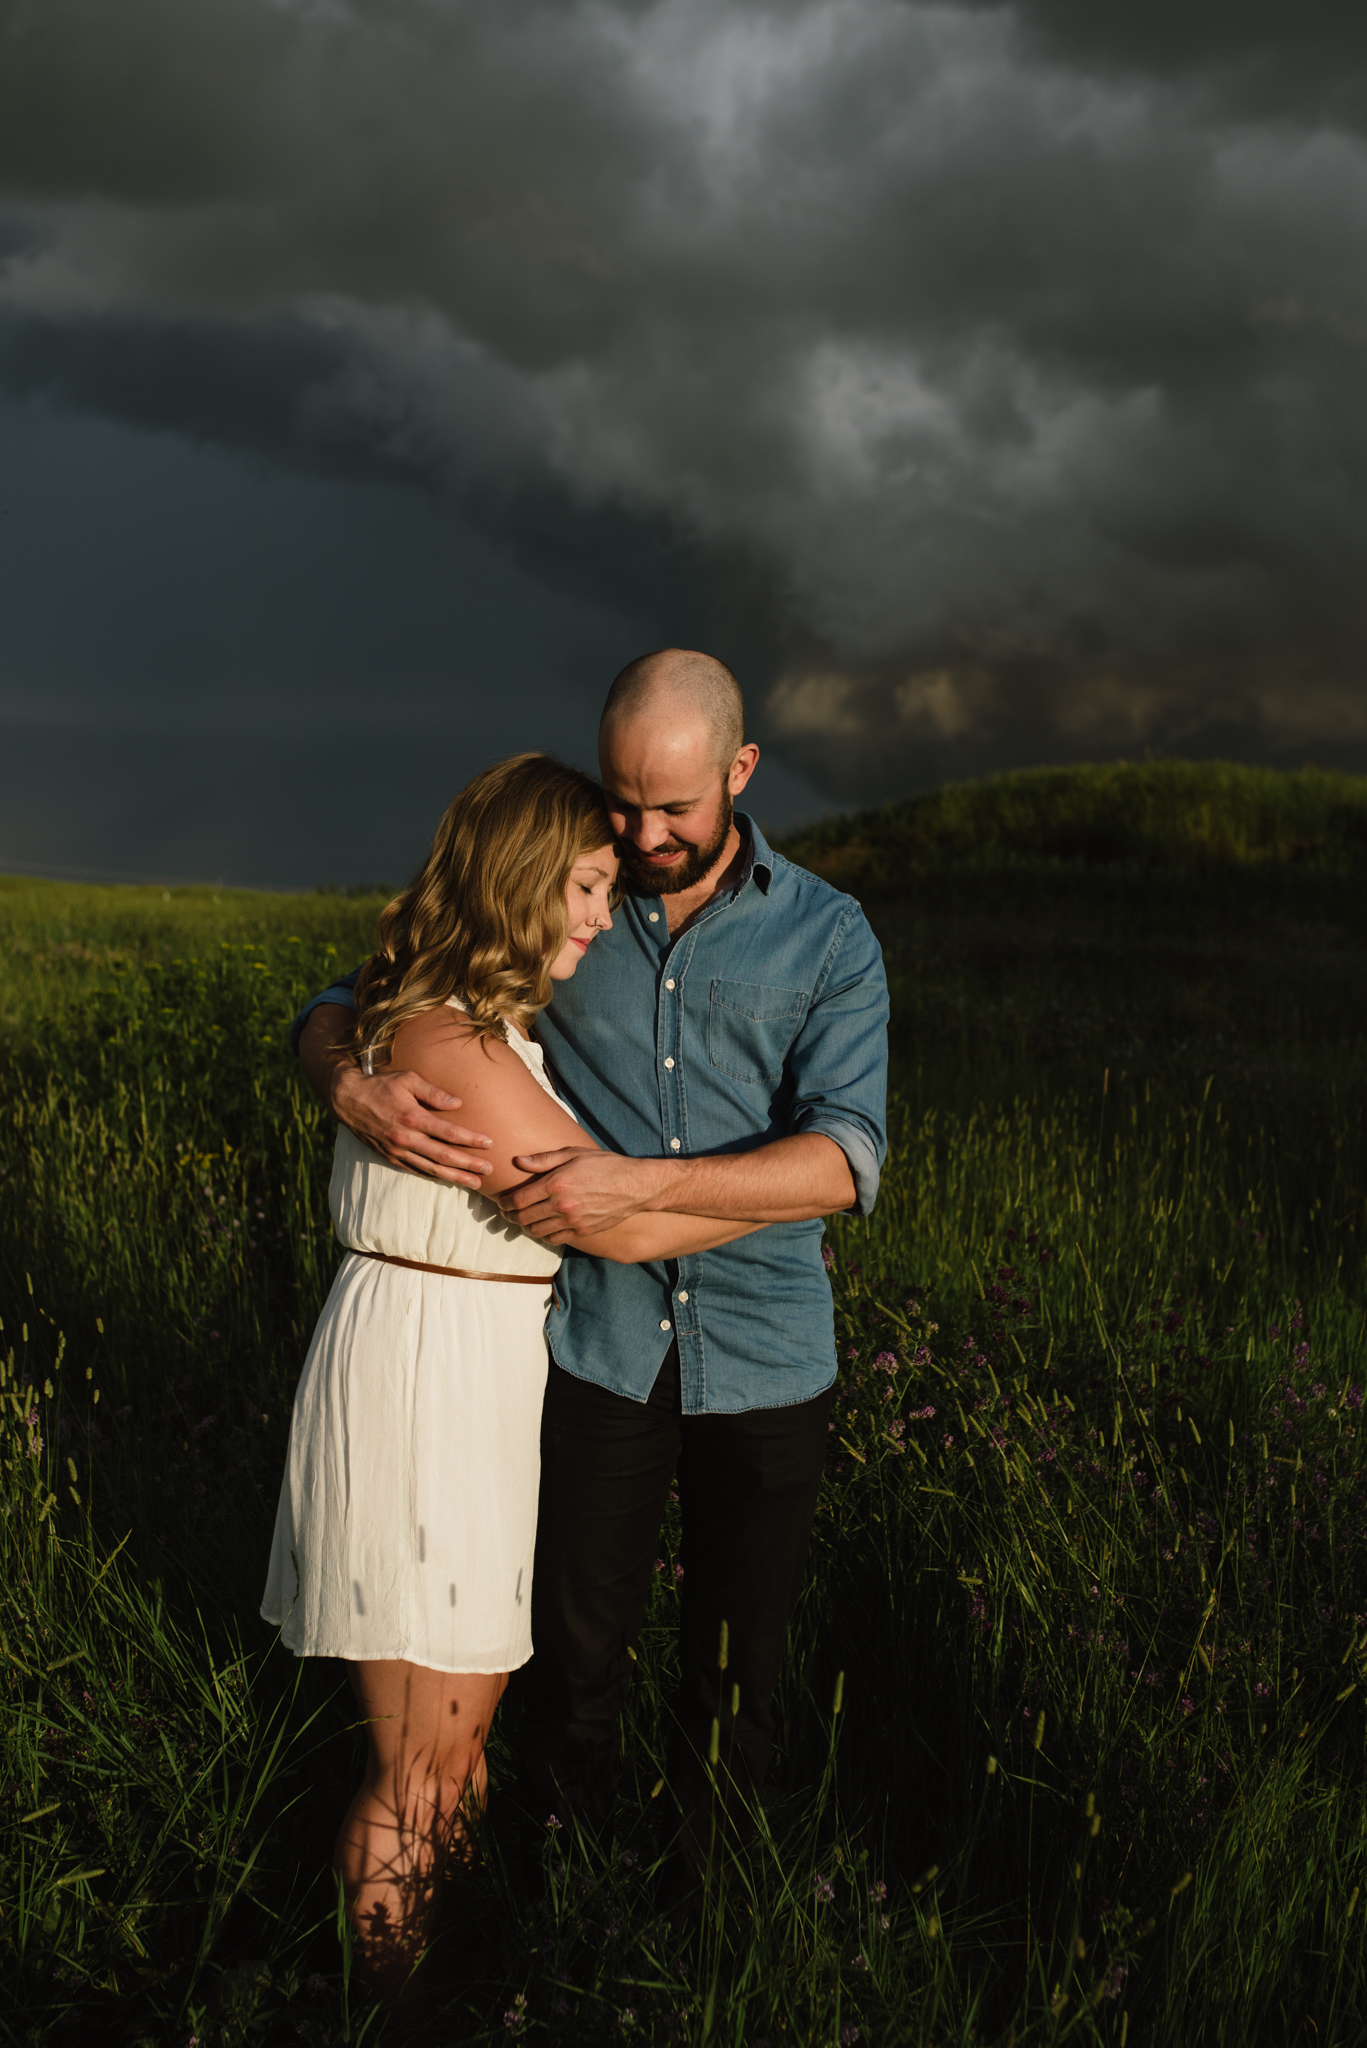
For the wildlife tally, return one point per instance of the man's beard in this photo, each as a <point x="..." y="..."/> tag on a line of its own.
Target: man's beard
<point x="686" y="873"/>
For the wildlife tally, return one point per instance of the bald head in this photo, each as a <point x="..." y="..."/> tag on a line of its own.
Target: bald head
<point x="678" y="683"/>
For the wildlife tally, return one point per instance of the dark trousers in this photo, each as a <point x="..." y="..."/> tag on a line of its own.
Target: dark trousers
<point x="747" y="1487"/>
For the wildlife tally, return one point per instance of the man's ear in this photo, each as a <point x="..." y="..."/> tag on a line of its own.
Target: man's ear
<point x="743" y="767"/>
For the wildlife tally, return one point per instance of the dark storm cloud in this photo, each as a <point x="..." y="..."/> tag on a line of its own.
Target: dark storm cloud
<point x="212" y="379"/>
<point x="1309" y="60"/>
<point x="992" y="375"/>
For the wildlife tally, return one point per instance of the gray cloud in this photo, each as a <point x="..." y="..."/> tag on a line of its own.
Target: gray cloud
<point x="988" y="378"/>
<point x="1309" y="61"/>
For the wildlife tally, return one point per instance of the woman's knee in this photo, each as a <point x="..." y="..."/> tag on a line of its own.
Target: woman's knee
<point x="463" y="1768"/>
<point x="439" y="1740"/>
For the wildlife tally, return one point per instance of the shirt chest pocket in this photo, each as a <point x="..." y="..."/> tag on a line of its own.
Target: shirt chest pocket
<point x="750" y="1026"/>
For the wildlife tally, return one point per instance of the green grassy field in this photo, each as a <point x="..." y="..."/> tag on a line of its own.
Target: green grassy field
<point x="1089" y="1579"/>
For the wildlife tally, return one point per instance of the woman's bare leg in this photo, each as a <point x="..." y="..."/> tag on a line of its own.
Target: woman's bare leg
<point x="425" y="1769"/>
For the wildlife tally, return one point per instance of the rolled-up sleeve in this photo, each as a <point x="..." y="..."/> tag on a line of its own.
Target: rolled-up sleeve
<point x="342" y="993"/>
<point x="839" y="1062"/>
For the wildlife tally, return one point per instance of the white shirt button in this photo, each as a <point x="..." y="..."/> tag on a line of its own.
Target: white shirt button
<point x="669" y="984"/>
<point x="683" y="1294"/>
<point x="670" y="1064"/>
<point x="664" y="1326"/>
<point x="673" y="1144"/>
<point x="654" y="916"/>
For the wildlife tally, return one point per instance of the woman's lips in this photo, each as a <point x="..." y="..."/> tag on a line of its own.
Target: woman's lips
<point x="582" y="944"/>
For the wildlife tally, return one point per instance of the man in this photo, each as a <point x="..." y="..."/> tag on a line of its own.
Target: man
<point x="728" y="1040"/>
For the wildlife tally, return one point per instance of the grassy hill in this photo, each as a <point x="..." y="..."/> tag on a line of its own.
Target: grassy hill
<point x="1179" y="815"/>
<point x="1174" y="922"/>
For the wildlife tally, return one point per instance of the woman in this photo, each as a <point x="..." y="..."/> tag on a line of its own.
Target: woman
<point x="407" y="1516"/>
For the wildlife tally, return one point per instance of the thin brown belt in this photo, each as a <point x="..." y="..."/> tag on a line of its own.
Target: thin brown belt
<point x="544" y="1281"/>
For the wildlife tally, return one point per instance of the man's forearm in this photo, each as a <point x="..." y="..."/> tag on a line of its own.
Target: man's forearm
<point x="788" y="1181"/>
<point x="323" y="1046"/>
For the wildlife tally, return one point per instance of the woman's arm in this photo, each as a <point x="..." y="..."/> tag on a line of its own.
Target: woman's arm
<point x="660" y="1235"/>
<point x="501" y="1098"/>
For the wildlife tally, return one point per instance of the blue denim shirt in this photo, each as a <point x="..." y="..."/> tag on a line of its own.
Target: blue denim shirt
<point x="767" y="1016"/>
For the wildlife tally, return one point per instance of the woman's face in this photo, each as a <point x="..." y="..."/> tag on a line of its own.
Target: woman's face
<point x="586" y="899"/>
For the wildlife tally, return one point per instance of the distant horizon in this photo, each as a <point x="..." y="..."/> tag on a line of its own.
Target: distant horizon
<point x="97" y="877"/>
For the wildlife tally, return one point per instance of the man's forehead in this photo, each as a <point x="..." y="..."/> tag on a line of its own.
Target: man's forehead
<point x="655" y="793"/>
<point x="654" y="768"/>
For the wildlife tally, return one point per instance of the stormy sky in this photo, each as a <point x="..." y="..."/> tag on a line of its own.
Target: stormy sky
<point x="983" y="382"/>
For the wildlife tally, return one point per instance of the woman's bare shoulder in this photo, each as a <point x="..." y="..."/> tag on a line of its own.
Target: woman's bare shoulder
<point x="446" y="1035"/>
<point x="497" y="1092"/>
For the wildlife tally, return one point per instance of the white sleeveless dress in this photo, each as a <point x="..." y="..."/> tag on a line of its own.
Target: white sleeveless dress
<point x="407" y="1515"/>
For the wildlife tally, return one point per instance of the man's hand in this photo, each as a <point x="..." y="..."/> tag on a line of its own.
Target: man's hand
<point x="577" y="1193"/>
<point x="396" y="1113"/>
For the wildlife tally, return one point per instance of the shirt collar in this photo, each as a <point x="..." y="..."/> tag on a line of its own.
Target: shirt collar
<point x="759" y="858"/>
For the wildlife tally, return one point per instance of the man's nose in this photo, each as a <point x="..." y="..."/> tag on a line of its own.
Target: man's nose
<point x="635" y="828"/>
<point x="649" y="836"/>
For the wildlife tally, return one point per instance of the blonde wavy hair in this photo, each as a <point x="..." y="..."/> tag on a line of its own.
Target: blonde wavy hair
<point x="485" y="914"/>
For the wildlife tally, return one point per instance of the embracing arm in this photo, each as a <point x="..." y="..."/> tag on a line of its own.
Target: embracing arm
<point x="489" y="1079"/>
<point x="573" y="1192"/>
<point x="661" y="1235"/>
